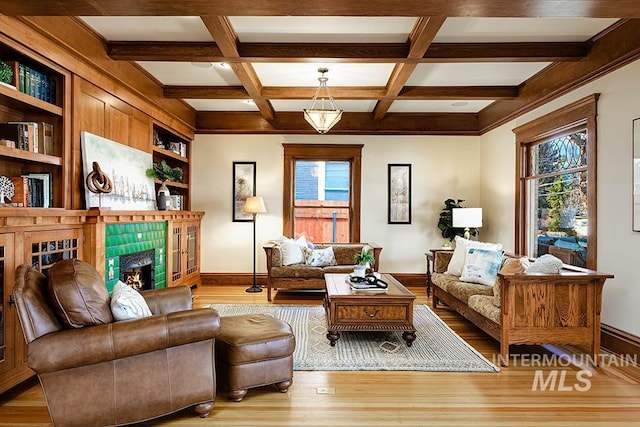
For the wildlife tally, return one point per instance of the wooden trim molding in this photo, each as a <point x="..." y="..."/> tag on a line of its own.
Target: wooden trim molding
<point x="620" y="342"/>
<point x="232" y="279"/>
<point x="346" y="152"/>
<point x="246" y="279"/>
<point x="580" y="113"/>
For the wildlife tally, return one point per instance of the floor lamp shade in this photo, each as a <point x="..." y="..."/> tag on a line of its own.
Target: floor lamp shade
<point x="254" y="205"/>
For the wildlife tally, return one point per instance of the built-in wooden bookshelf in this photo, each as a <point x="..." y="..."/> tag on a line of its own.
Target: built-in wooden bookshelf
<point x="174" y="150"/>
<point x="42" y="104"/>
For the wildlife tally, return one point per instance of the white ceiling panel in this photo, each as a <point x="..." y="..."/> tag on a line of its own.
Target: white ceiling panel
<point x="438" y="106"/>
<point x="472" y="74"/>
<point x="488" y="30"/>
<point x="346" y="105"/>
<point x="150" y="28"/>
<point x="186" y="73"/>
<point x="302" y="29"/>
<point x="222" y="105"/>
<point x="306" y="74"/>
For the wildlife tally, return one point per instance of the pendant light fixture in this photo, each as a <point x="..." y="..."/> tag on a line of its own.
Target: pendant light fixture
<point x="323" y="113"/>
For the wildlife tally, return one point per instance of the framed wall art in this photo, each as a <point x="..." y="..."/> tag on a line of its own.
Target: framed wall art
<point x="244" y="185"/>
<point x="399" y="197"/>
<point x="125" y="167"/>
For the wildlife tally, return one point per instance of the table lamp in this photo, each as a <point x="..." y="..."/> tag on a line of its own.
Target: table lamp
<point x="467" y="218"/>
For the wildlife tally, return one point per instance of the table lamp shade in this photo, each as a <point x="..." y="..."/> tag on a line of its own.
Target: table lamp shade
<point x="467" y="217"/>
<point x="254" y="205"/>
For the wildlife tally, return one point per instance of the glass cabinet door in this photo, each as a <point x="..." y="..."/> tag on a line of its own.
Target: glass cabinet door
<point x="192" y="249"/>
<point x="176" y="253"/>
<point x="7" y="329"/>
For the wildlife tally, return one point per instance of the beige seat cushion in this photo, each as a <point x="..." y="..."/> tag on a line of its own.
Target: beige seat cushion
<point x="484" y="305"/>
<point x="463" y="290"/>
<point x="443" y="280"/>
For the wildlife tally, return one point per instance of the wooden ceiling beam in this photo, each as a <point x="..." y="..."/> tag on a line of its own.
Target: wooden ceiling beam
<point x="461" y="8"/>
<point x="512" y="52"/>
<point x="351" y="123"/>
<point x="165" y="51"/>
<point x="345" y="92"/>
<point x="347" y="52"/>
<point x="458" y="92"/>
<point x="616" y="47"/>
<point x="222" y="32"/>
<point x="424" y="31"/>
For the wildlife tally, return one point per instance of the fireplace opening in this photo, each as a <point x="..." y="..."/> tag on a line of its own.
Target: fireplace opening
<point x="137" y="270"/>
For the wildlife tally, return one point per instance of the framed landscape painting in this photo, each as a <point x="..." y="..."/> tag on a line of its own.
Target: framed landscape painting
<point x="399" y="197"/>
<point x="244" y="185"/>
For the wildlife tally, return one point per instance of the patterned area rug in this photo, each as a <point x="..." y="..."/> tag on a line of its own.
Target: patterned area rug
<point x="436" y="348"/>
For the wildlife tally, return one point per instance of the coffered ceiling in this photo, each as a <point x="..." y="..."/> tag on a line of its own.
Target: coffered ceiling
<point x="395" y="67"/>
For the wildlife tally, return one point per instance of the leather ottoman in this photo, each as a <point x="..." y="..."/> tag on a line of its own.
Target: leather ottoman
<point x="254" y="350"/>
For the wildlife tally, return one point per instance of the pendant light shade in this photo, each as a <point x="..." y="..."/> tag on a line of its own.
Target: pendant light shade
<point x="323" y="113"/>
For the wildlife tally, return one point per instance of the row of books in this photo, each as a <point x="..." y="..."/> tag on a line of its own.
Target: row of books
<point x="32" y="190"/>
<point x="177" y="202"/>
<point x="36" y="84"/>
<point x="36" y="137"/>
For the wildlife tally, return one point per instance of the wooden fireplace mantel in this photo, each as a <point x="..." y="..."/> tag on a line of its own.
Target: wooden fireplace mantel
<point x="92" y="222"/>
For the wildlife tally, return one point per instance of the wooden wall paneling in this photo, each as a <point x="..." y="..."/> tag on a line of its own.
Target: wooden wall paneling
<point x="117" y="124"/>
<point x="67" y="41"/>
<point x="140" y="131"/>
<point x="89" y="114"/>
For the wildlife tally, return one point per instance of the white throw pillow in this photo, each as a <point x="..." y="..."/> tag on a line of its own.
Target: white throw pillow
<point x="322" y="257"/>
<point x="460" y="253"/>
<point x="547" y="263"/>
<point x="291" y="252"/>
<point x="481" y="266"/>
<point x="127" y="303"/>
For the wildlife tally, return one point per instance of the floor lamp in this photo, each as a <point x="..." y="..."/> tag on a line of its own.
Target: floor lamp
<point x="254" y="206"/>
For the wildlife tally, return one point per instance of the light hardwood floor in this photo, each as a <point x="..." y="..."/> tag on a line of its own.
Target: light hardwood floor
<point x="400" y="398"/>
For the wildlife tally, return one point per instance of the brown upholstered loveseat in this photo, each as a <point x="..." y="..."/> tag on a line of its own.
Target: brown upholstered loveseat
<point x="302" y="276"/>
<point x="114" y="373"/>
<point x="527" y="308"/>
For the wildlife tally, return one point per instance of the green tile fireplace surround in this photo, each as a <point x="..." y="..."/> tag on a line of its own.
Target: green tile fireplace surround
<point x="133" y="237"/>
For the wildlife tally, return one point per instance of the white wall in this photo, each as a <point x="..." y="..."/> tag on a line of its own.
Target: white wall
<point x="618" y="246"/>
<point x="442" y="167"/>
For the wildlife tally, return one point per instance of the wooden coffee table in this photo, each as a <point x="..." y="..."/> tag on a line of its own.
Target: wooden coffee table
<point x="349" y="310"/>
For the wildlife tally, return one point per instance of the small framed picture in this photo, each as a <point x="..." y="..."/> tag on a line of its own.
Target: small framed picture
<point x="399" y="197"/>
<point x="244" y="185"/>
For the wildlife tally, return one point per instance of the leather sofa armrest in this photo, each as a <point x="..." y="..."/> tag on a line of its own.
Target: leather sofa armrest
<point x="168" y="300"/>
<point x="71" y="348"/>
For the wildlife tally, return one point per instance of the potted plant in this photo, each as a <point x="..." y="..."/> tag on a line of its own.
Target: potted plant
<point x="164" y="172"/>
<point x="364" y="260"/>
<point x="6" y="74"/>
<point x="445" y="223"/>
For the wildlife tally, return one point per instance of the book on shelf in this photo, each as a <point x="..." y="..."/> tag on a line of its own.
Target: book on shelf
<point x="33" y="190"/>
<point x="176" y="202"/>
<point x="36" y="84"/>
<point x="36" y="137"/>
<point x="21" y="194"/>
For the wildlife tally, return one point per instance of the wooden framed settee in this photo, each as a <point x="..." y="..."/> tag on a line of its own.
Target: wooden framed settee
<point x="303" y="276"/>
<point x="527" y="308"/>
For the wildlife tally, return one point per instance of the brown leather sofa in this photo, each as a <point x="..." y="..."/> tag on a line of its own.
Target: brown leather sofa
<point x="113" y="373"/>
